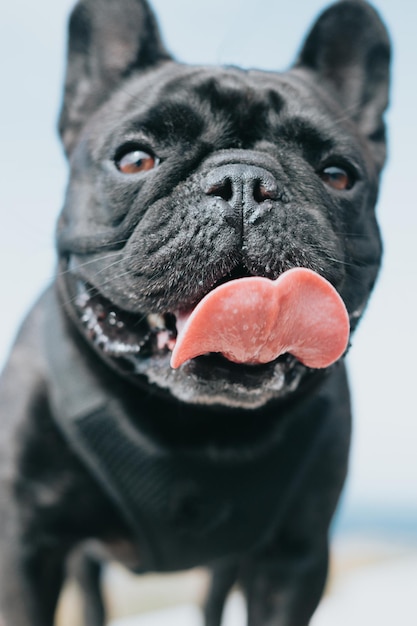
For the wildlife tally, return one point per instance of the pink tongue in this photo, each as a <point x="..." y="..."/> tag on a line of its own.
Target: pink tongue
<point x="254" y="320"/>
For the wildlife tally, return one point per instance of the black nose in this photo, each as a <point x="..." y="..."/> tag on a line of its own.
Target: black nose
<point x="243" y="189"/>
<point x="240" y="183"/>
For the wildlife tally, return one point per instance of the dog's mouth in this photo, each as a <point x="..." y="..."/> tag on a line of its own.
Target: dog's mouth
<point x="231" y="335"/>
<point x="153" y="349"/>
<point x="129" y="338"/>
<point x="137" y="344"/>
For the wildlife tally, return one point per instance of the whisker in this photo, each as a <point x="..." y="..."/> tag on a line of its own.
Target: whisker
<point x="111" y="279"/>
<point x="85" y="263"/>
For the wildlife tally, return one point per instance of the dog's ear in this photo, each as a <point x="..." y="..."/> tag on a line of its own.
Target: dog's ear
<point x="108" y="41"/>
<point x="348" y="48"/>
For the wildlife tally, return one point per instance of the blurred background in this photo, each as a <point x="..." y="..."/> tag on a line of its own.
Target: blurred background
<point x="375" y="530"/>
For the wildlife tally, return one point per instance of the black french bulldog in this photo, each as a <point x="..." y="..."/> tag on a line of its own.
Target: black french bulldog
<point x="183" y="179"/>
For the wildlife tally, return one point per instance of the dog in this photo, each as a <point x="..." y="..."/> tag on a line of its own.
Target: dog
<point x="178" y="396"/>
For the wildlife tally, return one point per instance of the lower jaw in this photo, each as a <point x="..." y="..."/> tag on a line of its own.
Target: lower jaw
<point x="212" y="381"/>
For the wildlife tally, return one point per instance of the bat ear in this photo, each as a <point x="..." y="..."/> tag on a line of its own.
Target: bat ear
<point x="349" y="49"/>
<point x="108" y="40"/>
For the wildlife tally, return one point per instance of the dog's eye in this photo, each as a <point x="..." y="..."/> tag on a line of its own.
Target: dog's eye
<point x="134" y="161"/>
<point x="337" y="178"/>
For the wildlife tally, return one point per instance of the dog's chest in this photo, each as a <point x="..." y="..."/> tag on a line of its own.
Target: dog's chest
<point x="187" y="508"/>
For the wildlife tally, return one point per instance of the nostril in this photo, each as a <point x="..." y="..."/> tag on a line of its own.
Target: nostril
<point x="262" y="193"/>
<point x="223" y="189"/>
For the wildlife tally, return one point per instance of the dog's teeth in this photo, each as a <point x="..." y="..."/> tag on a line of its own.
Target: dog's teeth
<point x="156" y="322"/>
<point x="82" y="299"/>
<point x="145" y="339"/>
<point x="100" y="313"/>
<point x="88" y="318"/>
<point x="82" y="296"/>
<point x="118" y="348"/>
<point x="112" y="335"/>
<point x="101" y="339"/>
<point x="112" y="318"/>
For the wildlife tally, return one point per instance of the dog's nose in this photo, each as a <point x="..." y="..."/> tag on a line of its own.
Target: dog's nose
<point x="241" y="185"/>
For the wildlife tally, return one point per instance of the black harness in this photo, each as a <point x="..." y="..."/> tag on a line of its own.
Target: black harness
<point x="185" y="507"/>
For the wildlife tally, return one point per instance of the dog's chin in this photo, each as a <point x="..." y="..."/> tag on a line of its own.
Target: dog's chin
<point x="212" y="380"/>
<point x="139" y="347"/>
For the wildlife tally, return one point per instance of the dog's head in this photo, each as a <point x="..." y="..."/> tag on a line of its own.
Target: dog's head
<point x="183" y="178"/>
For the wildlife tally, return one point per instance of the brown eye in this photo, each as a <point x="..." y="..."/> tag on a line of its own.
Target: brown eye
<point x="337" y="178"/>
<point x="136" y="161"/>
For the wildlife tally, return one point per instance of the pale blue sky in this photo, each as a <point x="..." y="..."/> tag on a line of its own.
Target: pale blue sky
<point x="267" y="34"/>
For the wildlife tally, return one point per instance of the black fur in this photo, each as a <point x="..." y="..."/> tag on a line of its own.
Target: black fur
<point x="156" y="242"/>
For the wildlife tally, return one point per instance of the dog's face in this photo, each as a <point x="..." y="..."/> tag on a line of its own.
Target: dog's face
<point x="183" y="178"/>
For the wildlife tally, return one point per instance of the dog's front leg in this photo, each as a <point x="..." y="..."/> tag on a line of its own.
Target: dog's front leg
<point x="284" y="582"/>
<point x="286" y="591"/>
<point x="30" y="580"/>
<point x="33" y="538"/>
<point x="32" y="550"/>
<point x="223" y="577"/>
<point x="86" y="571"/>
